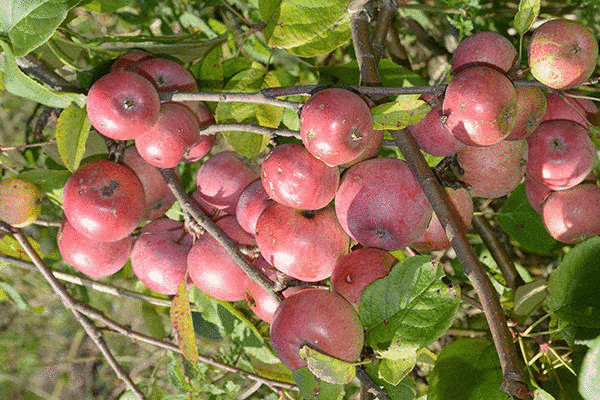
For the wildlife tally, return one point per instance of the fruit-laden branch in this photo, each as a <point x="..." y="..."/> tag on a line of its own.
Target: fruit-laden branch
<point x="189" y="206"/>
<point x="513" y="382"/>
<point x="507" y="267"/>
<point x="261" y="130"/>
<point x="95" y="314"/>
<point x="73" y="305"/>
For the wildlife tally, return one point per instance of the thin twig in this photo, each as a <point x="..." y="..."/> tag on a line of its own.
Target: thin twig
<point x="507" y="267"/>
<point x="372" y="387"/>
<point x="513" y="382"/>
<point x="227" y="97"/>
<point x="359" y="27"/>
<point x="73" y="305"/>
<point x="261" y="130"/>
<point x="386" y="11"/>
<point x="189" y="206"/>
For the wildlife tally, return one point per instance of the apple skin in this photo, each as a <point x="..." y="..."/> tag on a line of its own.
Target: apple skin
<point x="434" y="238"/>
<point x="104" y="200"/>
<point x="173" y="135"/>
<point x="159" y="255"/>
<point x="205" y="143"/>
<point x="20" y="202"/>
<point x="213" y="270"/>
<point x="374" y="212"/>
<point x="167" y="75"/>
<point x="321" y="319"/>
<point x="222" y="178"/>
<point x="560" y="155"/>
<point x="493" y="171"/>
<point x="562" y="53"/>
<point x="536" y="194"/>
<point x="293" y="177"/>
<point x="336" y="126"/>
<point x="484" y="48"/>
<point x="92" y="258"/>
<point x="432" y="135"/>
<point x="480" y="104"/>
<point x="158" y="196"/>
<point x="303" y="245"/>
<point x="573" y="215"/>
<point x="531" y="108"/>
<point x="583" y="111"/>
<point x="357" y="269"/>
<point x="123" y="105"/>
<point x="252" y="202"/>
<point x="129" y="61"/>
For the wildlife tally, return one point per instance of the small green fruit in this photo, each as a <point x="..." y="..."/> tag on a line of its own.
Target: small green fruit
<point x="20" y="202"/>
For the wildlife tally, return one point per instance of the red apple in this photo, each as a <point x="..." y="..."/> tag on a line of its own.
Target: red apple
<point x="252" y="202"/>
<point x="531" y="108"/>
<point x="485" y="48"/>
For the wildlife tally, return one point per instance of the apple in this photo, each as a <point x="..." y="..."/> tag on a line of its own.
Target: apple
<point x="104" y="200"/>
<point x="173" y="135"/>
<point x="480" y="104"/>
<point x="302" y="244"/>
<point x="159" y="255"/>
<point x="129" y="61"/>
<point x="92" y="258"/>
<point x="357" y="269"/>
<point x="372" y="209"/>
<point x="123" y="105"/>
<point x="562" y="53"/>
<point x="293" y="177"/>
<point x="560" y="155"/>
<point x="205" y="142"/>
<point x="20" y="202"/>
<point x="484" y="48"/>
<point x="252" y="202"/>
<point x="158" y="196"/>
<point x="531" y="108"/>
<point x="432" y="135"/>
<point x="321" y="319"/>
<point x="536" y="193"/>
<point x="336" y="126"/>
<point x="580" y="110"/>
<point x="493" y="171"/>
<point x="573" y="215"/>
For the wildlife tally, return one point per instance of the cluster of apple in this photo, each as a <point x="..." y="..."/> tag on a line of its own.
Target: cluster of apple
<point x="308" y="204"/>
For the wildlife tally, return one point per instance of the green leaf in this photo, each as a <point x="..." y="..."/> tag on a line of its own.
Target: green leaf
<point x="528" y="12"/>
<point x="39" y="25"/>
<point x="72" y="129"/>
<point x="107" y="6"/>
<point x="391" y="74"/>
<point x="315" y="389"/>
<point x="19" y="84"/>
<point x="10" y="247"/>
<point x="14" y="11"/>
<point x="529" y="297"/>
<point x="327" y="368"/>
<point x="411" y="305"/>
<point x="520" y="221"/>
<point x="247" y="144"/>
<point x="266" y="115"/>
<point x="406" y="110"/>
<point x="307" y="28"/>
<point x="50" y="182"/>
<point x="181" y="319"/>
<point x="589" y="376"/>
<point x="405" y="390"/>
<point x="14" y="296"/>
<point x="397" y="361"/>
<point x="574" y="285"/>
<point x="540" y="394"/>
<point x="467" y="369"/>
<point x="209" y="71"/>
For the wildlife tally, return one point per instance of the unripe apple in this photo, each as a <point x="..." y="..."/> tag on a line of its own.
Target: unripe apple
<point x="573" y="215"/>
<point x="372" y="209"/>
<point x="562" y="53"/>
<point x="357" y="269"/>
<point x="321" y="319"/>
<point x="336" y="126"/>
<point x="481" y="106"/>
<point x="20" y="202"/>
<point x="92" y="258"/>
<point x="293" y="177"/>
<point x="123" y="105"/>
<point x="104" y="200"/>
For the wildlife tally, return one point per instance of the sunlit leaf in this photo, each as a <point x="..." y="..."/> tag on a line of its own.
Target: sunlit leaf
<point x="396" y="362"/>
<point x="528" y="12"/>
<point x="10" y="247"/>
<point x="72" y="129"/>
<point x="589" y="378"/>
<point x="181" y="319"/>
<point x="327" y="368"/>
<point x="316" y="389"/>
<point x="406" y="110"/>
<point x="19" y="84"/>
